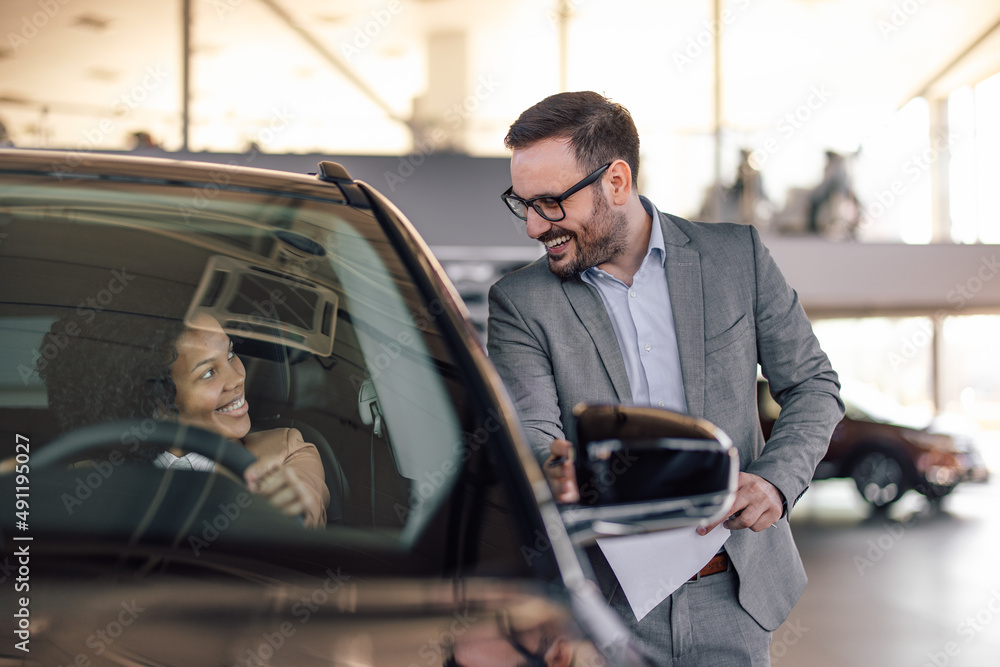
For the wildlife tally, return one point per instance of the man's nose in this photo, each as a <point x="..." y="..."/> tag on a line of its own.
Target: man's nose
<point x="536" y="224"/>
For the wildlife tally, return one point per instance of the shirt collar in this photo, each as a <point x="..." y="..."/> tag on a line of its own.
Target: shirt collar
<point x="656" y="233"/>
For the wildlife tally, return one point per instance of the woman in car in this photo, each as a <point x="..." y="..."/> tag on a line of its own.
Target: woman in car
<point x="102" y="367"/>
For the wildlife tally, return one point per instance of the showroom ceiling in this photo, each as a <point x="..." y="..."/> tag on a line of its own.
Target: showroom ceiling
<point x="320" y="75"/>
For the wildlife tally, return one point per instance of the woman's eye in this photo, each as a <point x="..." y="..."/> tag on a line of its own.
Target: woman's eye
<point x="207" y="374"/>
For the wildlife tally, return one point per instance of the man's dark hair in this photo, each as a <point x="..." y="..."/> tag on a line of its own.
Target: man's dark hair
<point x="599" y="130"/>
<point x="105" y="366"/>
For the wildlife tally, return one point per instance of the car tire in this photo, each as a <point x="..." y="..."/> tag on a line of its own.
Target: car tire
<point x="881" y="477"/>
<point x="935" y="492"/>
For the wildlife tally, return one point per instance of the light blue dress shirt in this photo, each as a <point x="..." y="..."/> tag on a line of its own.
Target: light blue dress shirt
<point x="644" y="324"/>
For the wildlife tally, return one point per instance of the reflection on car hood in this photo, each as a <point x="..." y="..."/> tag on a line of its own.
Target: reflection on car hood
<point x="333" y="621"/>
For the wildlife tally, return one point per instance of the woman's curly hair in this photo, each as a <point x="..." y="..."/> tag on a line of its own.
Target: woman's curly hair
<point x="101" y="366"/>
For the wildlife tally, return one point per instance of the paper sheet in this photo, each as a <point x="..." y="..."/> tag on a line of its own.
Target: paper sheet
<point x="651" y="567"/>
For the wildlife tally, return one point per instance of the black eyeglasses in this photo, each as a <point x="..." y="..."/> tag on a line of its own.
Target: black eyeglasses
<point x="550" y="208"/>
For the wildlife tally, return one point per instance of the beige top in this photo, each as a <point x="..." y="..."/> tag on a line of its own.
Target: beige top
<point x="303" y="457"/>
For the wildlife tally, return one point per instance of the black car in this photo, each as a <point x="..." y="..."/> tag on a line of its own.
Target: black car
<point x="442" y="544"/>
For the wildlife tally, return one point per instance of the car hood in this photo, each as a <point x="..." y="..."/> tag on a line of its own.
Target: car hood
<point x="334" y="621"/>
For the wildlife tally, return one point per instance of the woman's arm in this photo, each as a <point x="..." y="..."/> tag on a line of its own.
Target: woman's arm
<point x="289" y="473"/>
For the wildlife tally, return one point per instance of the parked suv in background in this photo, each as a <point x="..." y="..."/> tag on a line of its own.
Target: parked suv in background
<point x="442" y="546"/>
<point x="885" y="457"/>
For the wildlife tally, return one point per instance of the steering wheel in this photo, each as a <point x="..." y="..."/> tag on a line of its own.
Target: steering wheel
<point x="74" y="445"/>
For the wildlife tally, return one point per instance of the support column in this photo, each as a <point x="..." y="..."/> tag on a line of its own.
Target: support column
<point x="186" y="73"/>
<point x="939" y="173"/>
<point x="717" y="97"/>
<point x="937" y="350"/>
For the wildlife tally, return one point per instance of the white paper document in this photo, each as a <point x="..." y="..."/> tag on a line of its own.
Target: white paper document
<point x="651" y="567"/>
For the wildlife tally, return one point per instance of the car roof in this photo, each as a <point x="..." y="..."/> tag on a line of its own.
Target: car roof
<point x="328" y="184"/>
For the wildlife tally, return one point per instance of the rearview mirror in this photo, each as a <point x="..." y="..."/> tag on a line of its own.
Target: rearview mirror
<point x="643" y="469"/>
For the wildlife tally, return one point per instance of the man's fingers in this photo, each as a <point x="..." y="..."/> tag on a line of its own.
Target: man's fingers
<point x="757" y="505"/>
<point x="728" y="519"/>
<point x="705" y="530"/>
<point x="560" y="472"/>
<point x="734" y="510"/>
<point x="559" y="451"/>
<point x="745" y="518"/>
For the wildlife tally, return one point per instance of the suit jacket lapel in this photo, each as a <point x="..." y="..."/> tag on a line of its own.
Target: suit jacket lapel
<point x="590" y="309"/>
<point x="683" y="266"/>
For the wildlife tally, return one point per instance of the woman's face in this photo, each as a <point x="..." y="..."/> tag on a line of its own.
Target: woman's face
<point x="209" y="379"/>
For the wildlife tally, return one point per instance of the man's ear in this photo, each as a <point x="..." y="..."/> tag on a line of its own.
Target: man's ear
<point x="620" y="181"/>
<point x="560" y="654"/>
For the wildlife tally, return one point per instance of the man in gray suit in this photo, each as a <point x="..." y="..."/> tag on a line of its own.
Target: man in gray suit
<point x="631" y="305"/>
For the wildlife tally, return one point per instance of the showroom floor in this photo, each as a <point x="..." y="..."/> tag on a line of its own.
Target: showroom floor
<point x="912" y="589"/>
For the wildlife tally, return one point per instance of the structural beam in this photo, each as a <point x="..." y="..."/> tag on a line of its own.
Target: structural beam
<point x="925" y="89"/>
<point x="334" y="60"/>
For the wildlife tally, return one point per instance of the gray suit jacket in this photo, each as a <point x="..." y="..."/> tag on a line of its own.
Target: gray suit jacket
<point x="554" y="345"/>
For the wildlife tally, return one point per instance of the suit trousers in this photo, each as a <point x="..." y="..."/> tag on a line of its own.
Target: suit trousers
<point x="701" y="624"/>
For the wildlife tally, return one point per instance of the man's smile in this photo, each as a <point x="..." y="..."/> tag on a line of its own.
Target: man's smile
<point x="557" y="245"/>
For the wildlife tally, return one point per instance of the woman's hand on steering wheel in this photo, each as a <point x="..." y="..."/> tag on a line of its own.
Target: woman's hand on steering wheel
<point x="282" y="487"/>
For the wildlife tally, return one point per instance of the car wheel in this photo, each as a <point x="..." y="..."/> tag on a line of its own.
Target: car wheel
<point x="880" y="477"/>
<point x="935" y="491"/>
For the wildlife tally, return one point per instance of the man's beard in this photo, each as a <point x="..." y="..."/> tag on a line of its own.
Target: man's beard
<point x="602" y="239"/>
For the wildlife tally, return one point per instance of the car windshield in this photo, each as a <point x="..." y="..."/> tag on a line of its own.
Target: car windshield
<point x="336" y="338"/>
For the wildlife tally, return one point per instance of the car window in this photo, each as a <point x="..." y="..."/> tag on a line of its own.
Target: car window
<point x="335" y="337"/>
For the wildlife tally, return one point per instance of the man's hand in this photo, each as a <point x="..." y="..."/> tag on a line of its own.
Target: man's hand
<point x="562" y="476"/>
<point x="758" y="505"/>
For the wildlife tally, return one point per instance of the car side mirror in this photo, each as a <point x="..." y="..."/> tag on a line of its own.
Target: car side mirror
<point x="643" y="469"/>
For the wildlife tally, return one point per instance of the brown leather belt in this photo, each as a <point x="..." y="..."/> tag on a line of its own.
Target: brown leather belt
<point x="719" y="563"/>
